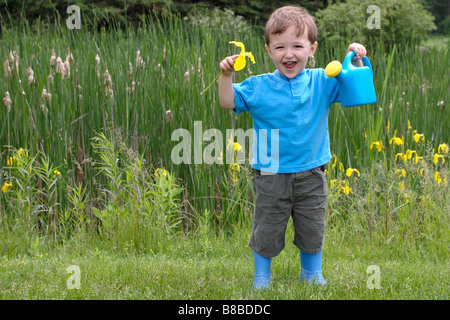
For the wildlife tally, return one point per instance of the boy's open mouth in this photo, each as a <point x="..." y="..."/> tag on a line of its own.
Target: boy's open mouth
<point x="289" y="65"/>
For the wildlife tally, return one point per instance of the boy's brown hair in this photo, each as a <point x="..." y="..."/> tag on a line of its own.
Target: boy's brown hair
<point x="286" y="16"/>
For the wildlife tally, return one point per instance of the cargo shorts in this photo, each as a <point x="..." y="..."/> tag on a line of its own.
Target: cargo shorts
<point x="300" y="195"/>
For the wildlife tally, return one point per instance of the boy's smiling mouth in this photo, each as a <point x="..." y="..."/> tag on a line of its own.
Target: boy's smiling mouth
<point x="290" y="65"/>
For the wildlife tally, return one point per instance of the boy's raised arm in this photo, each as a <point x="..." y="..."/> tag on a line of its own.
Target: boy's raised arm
<point x="226" y="92"/>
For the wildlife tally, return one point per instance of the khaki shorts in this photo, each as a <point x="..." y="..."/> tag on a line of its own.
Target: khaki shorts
<point x="302" y="195"/>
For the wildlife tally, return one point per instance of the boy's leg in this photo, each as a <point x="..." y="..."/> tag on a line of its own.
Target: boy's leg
<point x="273" y="207"/>
<point x="310" y="197"/>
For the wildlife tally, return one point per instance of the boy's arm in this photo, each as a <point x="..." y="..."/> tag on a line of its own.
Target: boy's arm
<point x="226" y="92"/>
<point x="360" y="52"/>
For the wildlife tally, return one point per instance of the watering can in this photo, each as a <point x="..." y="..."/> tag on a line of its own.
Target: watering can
<point x="355" y="83"/>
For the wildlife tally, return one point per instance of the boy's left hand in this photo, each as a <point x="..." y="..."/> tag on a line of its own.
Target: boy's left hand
<point x="360" y="52"/>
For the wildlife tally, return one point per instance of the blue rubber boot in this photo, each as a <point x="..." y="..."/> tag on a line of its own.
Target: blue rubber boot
<point x="262" y="271"/>
<point x="311" y="268"/>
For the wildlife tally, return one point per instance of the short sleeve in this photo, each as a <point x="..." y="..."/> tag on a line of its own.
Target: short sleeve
<point x="331" y="88"/>
<point x="243" y="95"/>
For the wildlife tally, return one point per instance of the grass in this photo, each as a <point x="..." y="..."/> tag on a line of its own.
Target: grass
<point x="187" y="271"/>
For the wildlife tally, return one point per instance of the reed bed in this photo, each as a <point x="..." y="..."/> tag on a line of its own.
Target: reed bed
<point x="64" y="88"/>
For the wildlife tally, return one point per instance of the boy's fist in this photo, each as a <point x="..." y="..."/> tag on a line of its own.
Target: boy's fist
<point x="227" y="64"/>
<point x="360" y="52"/>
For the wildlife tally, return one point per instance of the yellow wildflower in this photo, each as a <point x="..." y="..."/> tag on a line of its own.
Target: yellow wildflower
<point x="409" y="125"/>
<point x="378" y="145"/>
<point x="409" y="154"/>
<point x="235" y="167"/>
<point x="416" y="159"/>
<point x="12" y="161"/>
<point x="401" y="185"/>
<point x="402" y="173"/>
<point x="397" y="141"/>
<point x="341" y="166"/>
<point x="159" y="172"/>
<point x="6" y="186"/>
<point x="437" y="177"/>
<point x="334" y="162"/>
<point x="418" y="136"/>
<point x="388" y="125"/>
<point x="333" y="184"/>
<point x="436" y="158"/>
<point x="443" y="147"/>
<point x="420" y="172"/>
<point x="345" y="187"/>
<point x="240" y="62"/>
<point x="22" y="152"/>
<point x="402" y="156"/>
<point x="57" y="172"/>
<point x="349" y="172"/>
<point x="237" y="147"/>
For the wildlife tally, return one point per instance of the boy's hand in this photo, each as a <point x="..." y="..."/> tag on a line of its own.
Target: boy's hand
<point x="227" y="65"/>
<point x="360" y="52"/>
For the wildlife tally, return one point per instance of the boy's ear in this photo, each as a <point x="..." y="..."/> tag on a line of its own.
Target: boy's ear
<point x="313" y="48"/>
<point x="268" y="49"/>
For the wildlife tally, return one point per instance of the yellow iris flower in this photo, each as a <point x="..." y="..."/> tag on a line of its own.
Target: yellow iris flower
<point x="239" y="63"/>
<point x="6" y="186"/>
<point x="378" y="145"/>
<point x="443" y="147"/>
<point x="349" y="172"/>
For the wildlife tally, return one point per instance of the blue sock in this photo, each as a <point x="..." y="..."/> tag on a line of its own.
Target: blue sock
<point x="311" y="267"/>
<point x="262" y="271"/>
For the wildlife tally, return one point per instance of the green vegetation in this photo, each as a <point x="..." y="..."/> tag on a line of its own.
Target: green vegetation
<point x="87" y="175"/>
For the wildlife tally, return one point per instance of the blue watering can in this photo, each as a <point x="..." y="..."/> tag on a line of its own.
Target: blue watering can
<point x="355" y="83"/>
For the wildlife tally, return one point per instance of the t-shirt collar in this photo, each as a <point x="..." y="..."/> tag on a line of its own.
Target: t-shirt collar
<point x="283" y="77"/>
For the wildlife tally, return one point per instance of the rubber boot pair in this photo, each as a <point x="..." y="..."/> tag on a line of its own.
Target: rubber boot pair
<point x="311" y="269"/>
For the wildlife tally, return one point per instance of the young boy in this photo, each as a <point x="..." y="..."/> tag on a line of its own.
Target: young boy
<point x="293" y="102"/>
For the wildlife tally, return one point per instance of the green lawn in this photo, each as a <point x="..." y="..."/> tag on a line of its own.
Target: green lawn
<point x="223" y="269"/>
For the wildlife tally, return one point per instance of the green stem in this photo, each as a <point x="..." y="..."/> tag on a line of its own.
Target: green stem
<point x="211" y="83"/>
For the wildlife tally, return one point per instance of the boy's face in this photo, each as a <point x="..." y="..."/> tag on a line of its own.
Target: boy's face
<point x="290" y="52"/>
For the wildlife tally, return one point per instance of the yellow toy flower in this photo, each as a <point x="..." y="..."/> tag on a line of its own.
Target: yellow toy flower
<point x="239" y="63"/>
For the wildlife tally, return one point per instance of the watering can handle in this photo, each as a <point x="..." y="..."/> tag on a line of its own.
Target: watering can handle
<point x="347" y="64"/>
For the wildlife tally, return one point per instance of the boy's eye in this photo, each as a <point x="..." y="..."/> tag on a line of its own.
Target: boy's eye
<point x="279" y="47"/>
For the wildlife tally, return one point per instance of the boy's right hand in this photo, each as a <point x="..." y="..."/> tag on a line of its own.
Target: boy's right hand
<point x="227" y="65"/>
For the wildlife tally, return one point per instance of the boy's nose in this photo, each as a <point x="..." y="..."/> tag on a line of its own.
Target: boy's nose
<point x="288" y="53"/>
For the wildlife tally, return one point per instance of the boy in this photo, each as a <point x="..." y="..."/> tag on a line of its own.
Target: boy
<point x="295" y="102"/>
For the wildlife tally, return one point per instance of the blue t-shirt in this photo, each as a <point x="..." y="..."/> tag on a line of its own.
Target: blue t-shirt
<point x="290" y="119"/>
